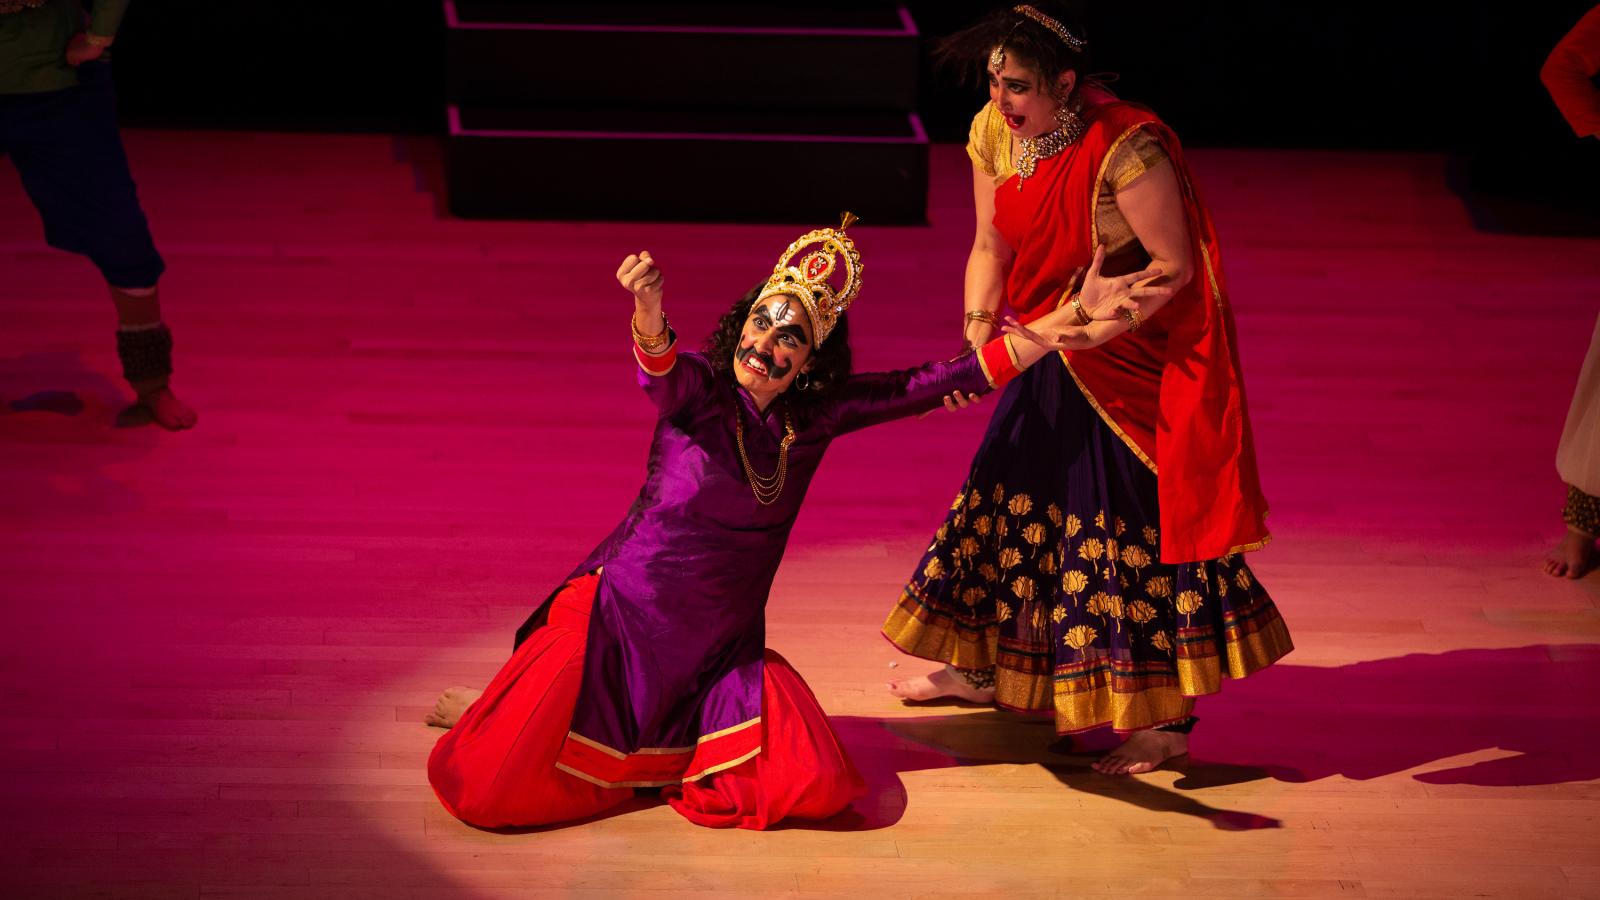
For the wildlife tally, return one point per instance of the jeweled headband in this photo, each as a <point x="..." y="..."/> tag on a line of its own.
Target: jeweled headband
<point x="1067" y="37"/>
<point x="997" y="56"/>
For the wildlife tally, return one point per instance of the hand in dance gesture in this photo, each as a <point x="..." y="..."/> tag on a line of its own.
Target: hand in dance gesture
<point x="638" y="273"/>
<point x="1113" y="305"/>
<point x="1108" y="299"/>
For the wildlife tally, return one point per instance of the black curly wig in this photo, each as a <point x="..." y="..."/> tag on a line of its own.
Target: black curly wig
<point x="832" y="357"/>
<point x="1032" y="44"/>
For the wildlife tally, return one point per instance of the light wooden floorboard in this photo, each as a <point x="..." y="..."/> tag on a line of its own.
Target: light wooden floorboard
<point x="220" y="643"/>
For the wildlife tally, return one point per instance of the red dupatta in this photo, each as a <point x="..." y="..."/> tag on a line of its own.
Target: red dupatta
<point x="1173" y="391"/>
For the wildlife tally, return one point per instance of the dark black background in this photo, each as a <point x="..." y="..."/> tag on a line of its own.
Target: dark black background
<point x="1368" y="74"/>
<point x="1457" y="77"/>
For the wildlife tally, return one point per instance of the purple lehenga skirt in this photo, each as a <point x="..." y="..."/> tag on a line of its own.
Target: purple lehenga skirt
<point x="1046" y="570"/>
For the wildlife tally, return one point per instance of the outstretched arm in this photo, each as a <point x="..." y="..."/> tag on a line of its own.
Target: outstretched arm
<point x="670" y="386"/>
<point x="875" y="397"/>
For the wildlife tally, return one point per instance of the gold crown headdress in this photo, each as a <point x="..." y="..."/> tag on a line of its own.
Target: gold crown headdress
<point x="997" y="57"/>
<point x="808" y="281"/>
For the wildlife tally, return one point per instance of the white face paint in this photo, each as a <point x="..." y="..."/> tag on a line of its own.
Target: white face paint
<point x="774" y="346"/>
<point x="783" y="310"/>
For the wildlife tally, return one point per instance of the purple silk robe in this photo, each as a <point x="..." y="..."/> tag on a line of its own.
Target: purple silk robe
<point x="678" y="624"/>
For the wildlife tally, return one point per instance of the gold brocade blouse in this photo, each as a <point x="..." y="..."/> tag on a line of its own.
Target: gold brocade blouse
<point x="991" y="147"/>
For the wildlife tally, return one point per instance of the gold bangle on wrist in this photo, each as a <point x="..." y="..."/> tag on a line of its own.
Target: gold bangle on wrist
<point x="651" y="343"/>
<point x="1133" y="319"/>
<point x="1077" y="307"/>
<point x="983" y="315"/>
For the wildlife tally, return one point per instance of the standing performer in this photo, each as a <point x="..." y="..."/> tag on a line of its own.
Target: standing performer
<point x="58" y="123"/>
<point x="1578" y="462"/>
<point x="647" y="667"/>
<point x="1570" y="75"/>
<point x="1091" y="564"/>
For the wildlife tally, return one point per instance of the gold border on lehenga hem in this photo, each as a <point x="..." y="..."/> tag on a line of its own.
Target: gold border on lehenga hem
<point x="1100" y="705"/>
<point x="949" y="644"/>
<point x="1123" y="712"/>
<point x="1022" y="691"/>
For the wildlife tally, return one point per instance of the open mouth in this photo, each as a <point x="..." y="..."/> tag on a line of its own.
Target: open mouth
<point x="752" y="364"/>
<point x="1013" y="121"/>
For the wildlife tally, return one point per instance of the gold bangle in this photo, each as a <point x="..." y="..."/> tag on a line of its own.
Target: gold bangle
<point x="1077" y="307"/>
<point x="983" y="315"/>
<point x="1133" y="319"/>
<point x="650" y="343"/>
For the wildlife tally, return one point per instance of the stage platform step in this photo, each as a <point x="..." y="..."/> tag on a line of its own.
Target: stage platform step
<point x="695" y="165"/>
<point x="860" y="56"/>
<point x="731" y="112"/>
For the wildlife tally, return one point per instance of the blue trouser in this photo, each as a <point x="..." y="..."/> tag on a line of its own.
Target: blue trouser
<point x="66" y="147"/>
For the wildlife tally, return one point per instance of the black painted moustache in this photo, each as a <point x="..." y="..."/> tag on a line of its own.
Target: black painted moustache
<point x="771" y="365"/>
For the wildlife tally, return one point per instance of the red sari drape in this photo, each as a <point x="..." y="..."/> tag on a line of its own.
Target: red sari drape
<point x="1173" y="390"/>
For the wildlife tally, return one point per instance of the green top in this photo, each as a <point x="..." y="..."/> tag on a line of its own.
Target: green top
<point x="33" y="42"/>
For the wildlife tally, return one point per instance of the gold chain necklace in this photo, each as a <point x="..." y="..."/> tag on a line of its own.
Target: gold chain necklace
<point x="766" y="488"/>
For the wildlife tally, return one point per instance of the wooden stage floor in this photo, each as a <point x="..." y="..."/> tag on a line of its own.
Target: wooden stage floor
<point x="218" y="646"/>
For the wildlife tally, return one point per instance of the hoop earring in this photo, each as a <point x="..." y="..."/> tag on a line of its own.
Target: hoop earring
<point x="802" y="382"/>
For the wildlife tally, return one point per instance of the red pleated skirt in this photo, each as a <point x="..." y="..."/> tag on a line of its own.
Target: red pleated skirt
<point x="496" y="767"/>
